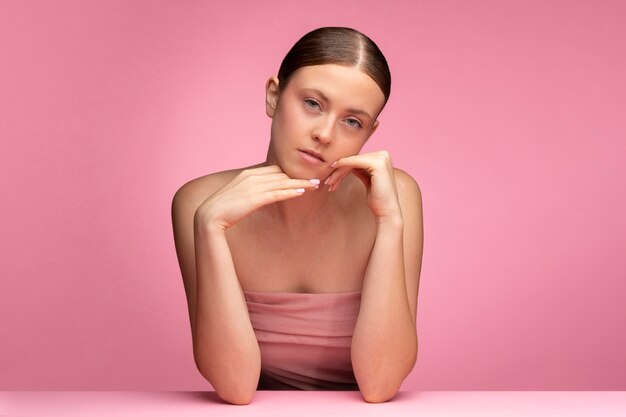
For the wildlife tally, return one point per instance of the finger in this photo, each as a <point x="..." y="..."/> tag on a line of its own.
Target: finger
<point x="359" y="173"/>
<point x="363" y="176"/>
<point x="275" y="176"/>
<point x="283" y="176"/>
<point x="337" y="181"/>
<point x="336" y="174"/>
<point x="293" y="183"/>
<point x="250" y="172"/>
<point x="365" y="161"/>
<point x="285" y="183"/>
<point x="273" y="196"/>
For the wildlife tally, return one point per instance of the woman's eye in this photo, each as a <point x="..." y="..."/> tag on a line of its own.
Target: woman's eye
<point x="311" y="103"/>
<point x="355" y="124"/>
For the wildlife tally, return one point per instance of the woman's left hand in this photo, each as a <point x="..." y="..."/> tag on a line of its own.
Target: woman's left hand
<point x="375" y="170"/>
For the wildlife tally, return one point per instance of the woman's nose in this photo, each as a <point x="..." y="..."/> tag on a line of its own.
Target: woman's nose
<point x="324" y="131"/>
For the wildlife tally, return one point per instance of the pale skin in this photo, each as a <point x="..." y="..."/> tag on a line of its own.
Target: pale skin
<point x="269" y="228"/>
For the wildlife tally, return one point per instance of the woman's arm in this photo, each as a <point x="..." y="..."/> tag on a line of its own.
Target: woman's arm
<point x="225" y="348"/>
<point x="384" y="342"/>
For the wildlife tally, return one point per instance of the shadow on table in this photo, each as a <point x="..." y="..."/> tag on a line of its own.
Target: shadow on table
<point x="211" y="396"/>
<point x="201" y="396"/>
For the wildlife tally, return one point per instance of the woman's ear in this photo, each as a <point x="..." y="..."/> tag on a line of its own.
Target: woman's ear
<point x="271" y="96"/>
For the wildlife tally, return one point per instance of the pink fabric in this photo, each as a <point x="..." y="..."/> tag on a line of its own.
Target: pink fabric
<point x="305" y="339"/>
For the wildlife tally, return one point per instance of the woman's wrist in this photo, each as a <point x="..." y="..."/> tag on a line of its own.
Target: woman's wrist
<point x="207" y="225"/>
<point x="391" y="223"/>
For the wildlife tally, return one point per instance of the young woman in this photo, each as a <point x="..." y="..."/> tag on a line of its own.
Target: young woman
<point x="302" y="272"/>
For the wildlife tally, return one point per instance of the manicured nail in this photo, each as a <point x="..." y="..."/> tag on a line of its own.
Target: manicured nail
<point x="326" y="180"/>
<point x="299" y="190"/>
<point x="314" y="181"/>
<point x="333" y="164"/>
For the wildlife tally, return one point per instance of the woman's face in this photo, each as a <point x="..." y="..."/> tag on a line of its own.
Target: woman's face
<point x="329" y="109"/>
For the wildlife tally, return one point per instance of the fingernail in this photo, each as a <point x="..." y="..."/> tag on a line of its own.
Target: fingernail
<point x="333" y="164"/>
<point x="316" y="187"/>
<point x="314" y="181"/>
<point x="326" y="180"/>
<point x="299" y="190"/>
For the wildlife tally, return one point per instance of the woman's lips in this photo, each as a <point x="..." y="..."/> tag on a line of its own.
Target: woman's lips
<point x="310" y="158"/>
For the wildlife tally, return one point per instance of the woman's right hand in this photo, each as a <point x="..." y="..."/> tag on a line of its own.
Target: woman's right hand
<point x="249" y="190"/>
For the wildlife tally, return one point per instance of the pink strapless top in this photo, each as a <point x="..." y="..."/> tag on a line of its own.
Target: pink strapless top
<point x="305" y="339"/>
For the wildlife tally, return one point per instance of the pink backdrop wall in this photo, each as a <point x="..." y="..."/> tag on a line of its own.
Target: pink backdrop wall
<point x="510" y="115"/>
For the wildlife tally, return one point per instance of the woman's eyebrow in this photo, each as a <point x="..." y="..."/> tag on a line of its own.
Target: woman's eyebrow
<point x="356" y="111"/>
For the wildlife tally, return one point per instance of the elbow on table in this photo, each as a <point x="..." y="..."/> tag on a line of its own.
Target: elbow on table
<point x="235" y="393"/>
<point x="236" y="397"/>
<point x="378" y="390"/>
<point x="233" y="390"/>
<point x="379" y="396"/>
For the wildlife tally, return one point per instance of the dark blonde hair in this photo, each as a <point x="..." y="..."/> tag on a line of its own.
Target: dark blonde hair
<point x="337" y="45"/>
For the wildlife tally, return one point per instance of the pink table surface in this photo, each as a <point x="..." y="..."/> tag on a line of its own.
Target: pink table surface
<point x="314" y="403"/>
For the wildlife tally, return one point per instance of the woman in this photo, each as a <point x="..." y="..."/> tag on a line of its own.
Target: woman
<point x="302" y="272"/>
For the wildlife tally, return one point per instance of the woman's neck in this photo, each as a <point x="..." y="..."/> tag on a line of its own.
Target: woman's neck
<point x="315" y="210"/>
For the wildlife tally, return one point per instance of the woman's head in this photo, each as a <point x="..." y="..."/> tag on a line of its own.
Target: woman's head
<point x="326" y="98"/>
<point x="337" y="45"/>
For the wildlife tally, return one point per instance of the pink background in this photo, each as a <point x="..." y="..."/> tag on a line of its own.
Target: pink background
<point x="510" y="115"/>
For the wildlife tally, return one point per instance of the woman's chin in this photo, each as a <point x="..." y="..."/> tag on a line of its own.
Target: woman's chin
<point x="299" y="168"/>
<point x="297" y="171"/>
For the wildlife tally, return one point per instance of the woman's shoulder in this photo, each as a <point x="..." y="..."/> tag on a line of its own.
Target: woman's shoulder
<point x="409" y="194"/>
<point x="201" y="188"/>
<point x="406" y="183"/>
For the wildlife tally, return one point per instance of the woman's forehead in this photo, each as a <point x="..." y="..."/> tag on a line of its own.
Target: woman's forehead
<point x="340" y="83"/>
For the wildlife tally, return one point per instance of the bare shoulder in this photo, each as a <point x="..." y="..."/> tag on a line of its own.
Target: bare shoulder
<point x="408" y="188"/>
<point x="192" y="193"/>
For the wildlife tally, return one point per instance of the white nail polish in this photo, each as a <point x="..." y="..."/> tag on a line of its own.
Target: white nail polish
<point x="299" y="190"/>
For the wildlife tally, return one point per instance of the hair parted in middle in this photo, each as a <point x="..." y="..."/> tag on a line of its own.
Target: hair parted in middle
<point x="337" y="45"/>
